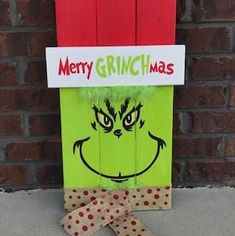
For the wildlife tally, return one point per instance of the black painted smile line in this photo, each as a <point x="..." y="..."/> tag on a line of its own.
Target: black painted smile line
<point x="160" y="145"/>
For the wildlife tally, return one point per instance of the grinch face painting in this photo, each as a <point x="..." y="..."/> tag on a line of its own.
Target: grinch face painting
<point x="112" y="141"/>
<point x="117" y="122"/>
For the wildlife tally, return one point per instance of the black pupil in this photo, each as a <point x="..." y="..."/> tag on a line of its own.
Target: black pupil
<point x="128" y="119"/>
<point x="106" y="120"/>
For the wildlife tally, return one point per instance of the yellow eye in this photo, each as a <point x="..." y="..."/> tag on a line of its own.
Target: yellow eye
<point x="104" y="120"/>
<point x="130" y="119"/>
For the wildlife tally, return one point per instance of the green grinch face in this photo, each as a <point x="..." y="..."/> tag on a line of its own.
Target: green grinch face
<point x="118" y="124"/>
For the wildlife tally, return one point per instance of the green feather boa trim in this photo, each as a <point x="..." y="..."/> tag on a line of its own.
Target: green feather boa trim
<point x="117" y="93"/>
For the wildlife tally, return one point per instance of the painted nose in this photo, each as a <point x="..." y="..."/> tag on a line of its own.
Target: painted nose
<point x="118" y="132"/>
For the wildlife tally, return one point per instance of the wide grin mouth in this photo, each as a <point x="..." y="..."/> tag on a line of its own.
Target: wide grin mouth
<point x="119" y="178"/>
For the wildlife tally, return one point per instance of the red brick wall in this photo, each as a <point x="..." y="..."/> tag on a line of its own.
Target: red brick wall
<point x="204" y="135"/>
<point x="204" y="121"/>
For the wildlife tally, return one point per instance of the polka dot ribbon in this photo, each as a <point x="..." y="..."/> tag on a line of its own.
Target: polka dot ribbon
<point x="111" y="208"/>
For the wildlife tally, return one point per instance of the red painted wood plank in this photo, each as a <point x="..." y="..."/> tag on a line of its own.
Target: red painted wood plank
<point x="116" y="22"/>
<point x="116" y="25"/>
<point x="76" y="22"/>
<point x="156" y="22"/>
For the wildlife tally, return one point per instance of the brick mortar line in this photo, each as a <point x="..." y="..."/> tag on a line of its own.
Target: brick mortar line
<point x="206" y="159"/>
<point x="30" y="187"/>
<point x="31" y="162"/>
<point x="195" y="184"/>
<point x="26" y="59"/>
<point x="206" y="24"/>
<point x="26" y="29"/>
<point x="15" y="139"/>
<point x="23" y="87"/>
<point x="201" y="135"/>
<point x="30" y="112"/>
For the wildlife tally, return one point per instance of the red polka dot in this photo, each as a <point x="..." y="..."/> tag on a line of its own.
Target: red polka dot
<point x="95" y="202"/>
<point x="118" y="232"/>
<point x="102" y="218"/>
<point x="108" y="210"/>
<point x="101" y="202"/>
<point x="139" y="235"/>
<point x="111" y="217"/>
<point x="81" y="214"/>
<point x="165" y="203"/>
<point x="149" y="191"/>
<point x="117" y="211"/>
<point x="133" y="222"/>
<point x="158" y="189"/>
<point x="74" y="191"/>
<point x="77" y="222"/>
<point x="111" y="203"/>
<point x="142" y="196"/>
<point x="134" y="230"/>
<point x="146" y="203"/>
<point x="124" y="197"/>
<point x="117" y="225"/>
<point x="70" y="217"/>
<point x="156" y="196"/>
<point x="76" y="234"/>
<point x="90" y="217"/>
<point x="93" y="198"/>
<point x="94" y="191"/>
<point x="78" y="197"/>
<point x="84" y="228"/>
<point x="124" y="227"/>
<point x="116" y="196"/>
<point x="127" y="192"/>
<point x="82" y="204"/>
<point x="103" y="190"/>
<point x="70" y="197"/>
<point x="69" y="226"/>
<point x="88" y="209"/>
<point x="137" y="204"/>
<point x="85" y="193"/>
<point x="99" y="210"/>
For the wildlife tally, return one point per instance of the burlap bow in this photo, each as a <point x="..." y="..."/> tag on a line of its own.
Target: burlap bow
<point x="111" y="208"/>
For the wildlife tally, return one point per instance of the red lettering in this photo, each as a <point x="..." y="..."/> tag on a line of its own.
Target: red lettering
<point x="64" y="68"/>
<point x="161" y="67"/>
<point x="170" y="69"/>
<point x="153" y="68"/>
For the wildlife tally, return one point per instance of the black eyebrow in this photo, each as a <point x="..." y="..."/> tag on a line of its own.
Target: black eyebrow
<point x="110" y="109"/>
<point x="124" y="107"/>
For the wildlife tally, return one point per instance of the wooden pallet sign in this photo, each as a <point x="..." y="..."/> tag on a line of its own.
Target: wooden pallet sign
<point x="116" y="65"/>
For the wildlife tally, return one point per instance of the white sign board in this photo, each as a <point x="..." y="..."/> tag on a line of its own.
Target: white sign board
<point x="115" y="66"/>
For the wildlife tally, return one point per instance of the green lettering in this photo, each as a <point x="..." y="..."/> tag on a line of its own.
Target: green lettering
<point x="110" y="66"/>
<point x="125" y="65"/>
<point x="132" y="70"/>
<point x="145" y="63"/>
<point x="100" y="68"/>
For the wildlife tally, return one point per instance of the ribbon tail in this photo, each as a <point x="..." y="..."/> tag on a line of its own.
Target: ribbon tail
<point x="129" y="224"/>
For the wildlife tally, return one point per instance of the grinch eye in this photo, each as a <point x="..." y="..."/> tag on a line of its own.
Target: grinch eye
<point x="131" y="118"/>
<point x="103" y="119"/>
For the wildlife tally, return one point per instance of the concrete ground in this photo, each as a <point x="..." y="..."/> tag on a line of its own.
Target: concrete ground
<point x="195" y="212"/>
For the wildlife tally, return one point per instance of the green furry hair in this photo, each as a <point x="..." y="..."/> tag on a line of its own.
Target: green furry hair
<point x="117" y="93"/>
